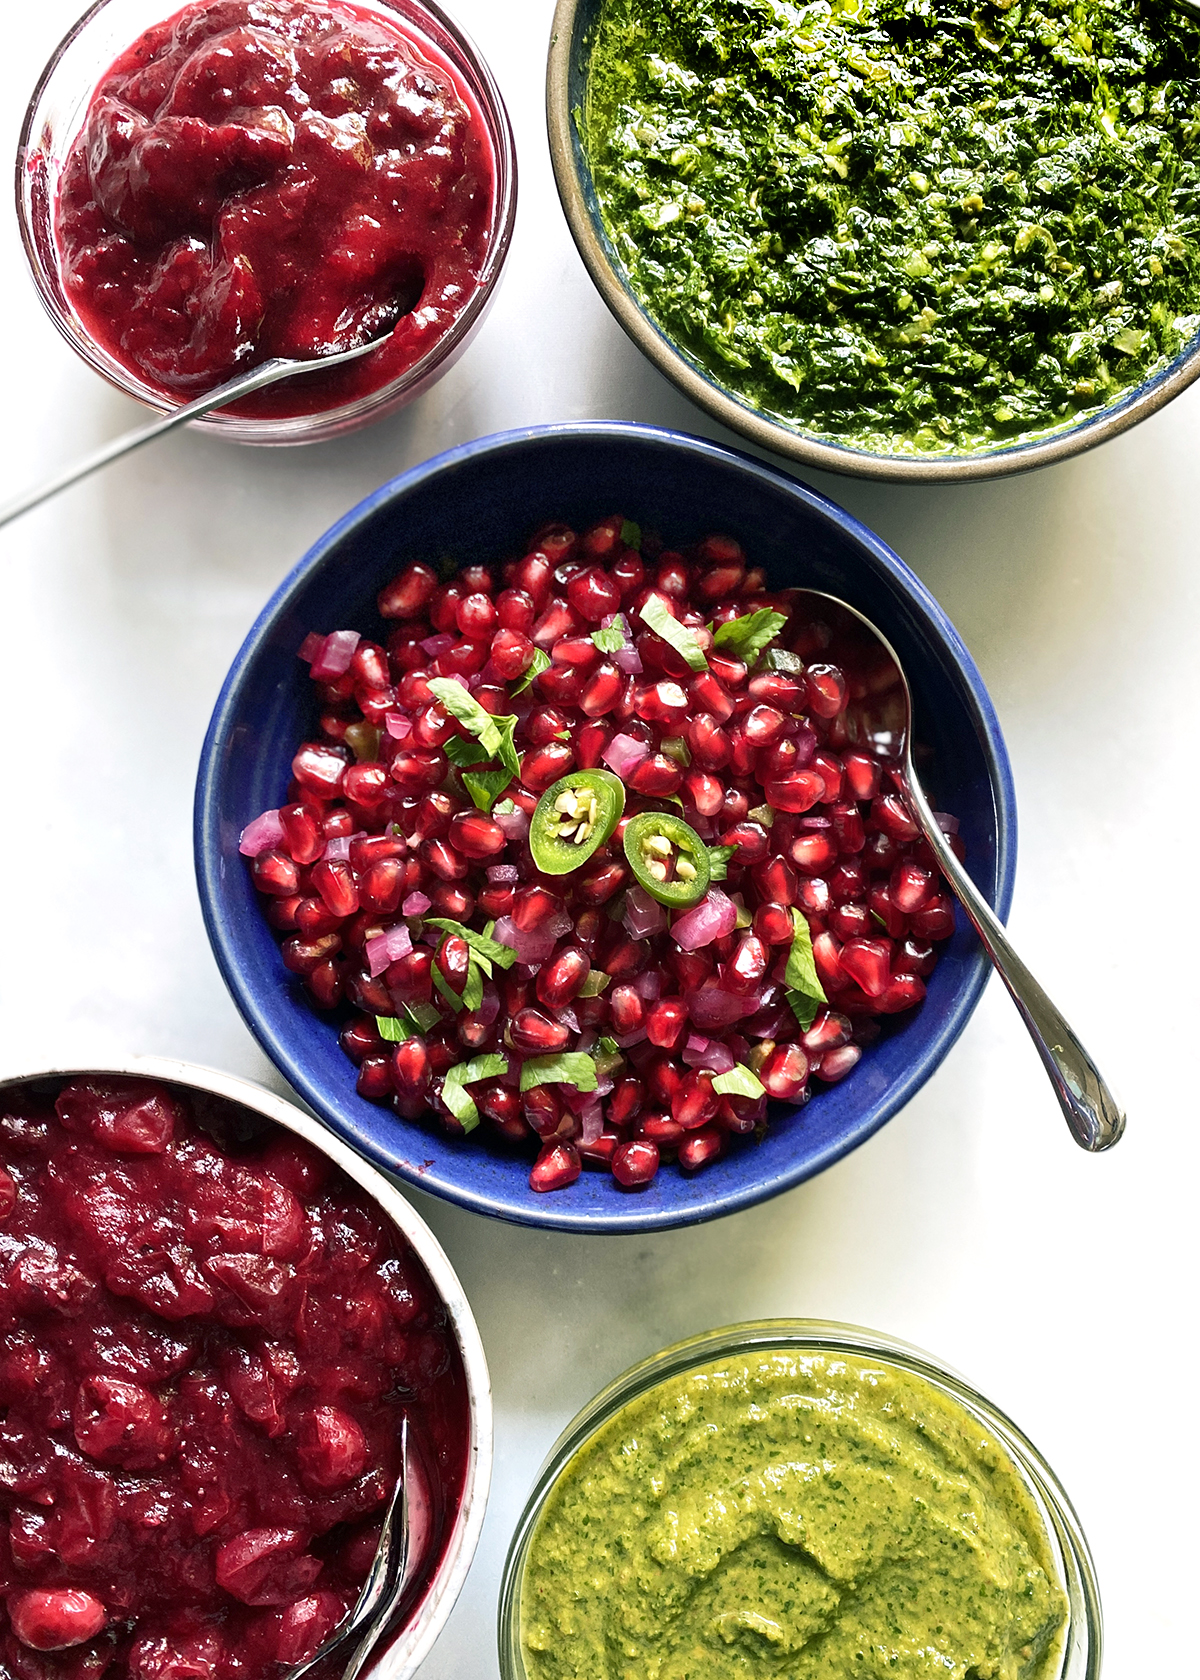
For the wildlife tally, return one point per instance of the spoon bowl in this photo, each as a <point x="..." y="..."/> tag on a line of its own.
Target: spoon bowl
<point x="880" y="724"/>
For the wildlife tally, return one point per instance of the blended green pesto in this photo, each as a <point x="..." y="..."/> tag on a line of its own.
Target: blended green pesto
<point x="790" y="1516"/>
<point x="910" y="226"/>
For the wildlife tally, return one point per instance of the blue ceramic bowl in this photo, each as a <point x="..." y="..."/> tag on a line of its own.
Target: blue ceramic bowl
<point x="478" y="504"/>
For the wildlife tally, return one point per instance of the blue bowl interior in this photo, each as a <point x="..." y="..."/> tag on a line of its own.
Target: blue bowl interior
<point x="479" y="503"/>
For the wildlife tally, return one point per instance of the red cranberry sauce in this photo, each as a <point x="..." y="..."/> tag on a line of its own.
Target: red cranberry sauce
<point x="262" y="178"/>
<point x="206" y="1350"/>
<point x="378" y="836"/>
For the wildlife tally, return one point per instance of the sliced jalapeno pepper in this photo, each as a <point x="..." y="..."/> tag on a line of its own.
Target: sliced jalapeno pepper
<point x="573" y="817"/>
<point x="669" y="859"/>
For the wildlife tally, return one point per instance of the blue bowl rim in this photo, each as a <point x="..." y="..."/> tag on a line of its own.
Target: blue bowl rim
<point x="558" y="1214"/>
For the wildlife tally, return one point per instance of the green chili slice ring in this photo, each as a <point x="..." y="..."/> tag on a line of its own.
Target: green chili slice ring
<point x="573" y="818"/>
<point x="669" y="859"/>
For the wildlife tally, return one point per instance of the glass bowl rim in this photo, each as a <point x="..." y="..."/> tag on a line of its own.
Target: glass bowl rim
<point x="797" y="444"/>
<point x="412" y="1644"/>
<point x="1076" y="1567"/>
<point x="248" y="429"/>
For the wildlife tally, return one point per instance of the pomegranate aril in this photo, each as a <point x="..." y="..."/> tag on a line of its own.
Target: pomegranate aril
<point x="664" y="703"/>
<point x="560" y="979"/>
<point x="535" y="1034"/>
<point x="776" y="881"/>
<point x="827" y="691"/>
<point x="656" y="777"/>
<point x="557" y="1165"/>
<point x="785" y="1072"/>
<point x="660" y="1129"/>
<point x="798" y="792"/>
<point x="903" y="991"/>
<point x="590" y="742"/>
<point x="476" y="615"/>
<point x="851" y="921"/>
<point x="751" y="839"/>
<point x="301" y="956"/>
<point x="411" y="978"/>
<point x="695" y="1102"/>
<point x="704" y="792"/>
<point x="602" y="690"/>
<point x="894" y="922"/>
<point x="848" y="828"/>
<point x="867" y="962"/>
<point x="776" y="689"/>
<point x="663" y="1079"/>
<point x="911" y="887"/>
<point x="453" y="962"/>
<point x="665" y="1022"/>
<point x="544" y="765"/>
<point x="709" y="696"/>
<point x="276" y="874"/>
<point x="627" y="1010"/>
<point x="580" y="652"/>
<point x="813" y="853"/>
<point x="635" y="1163"/>
<point x="701" y="1147"/>
<point x="827" y="962"/>
<point x="708" y="742"/>
<point x="601" y="883"/>
<point x="936" y="920"/>
<point x="533" y="907"/>
<point x="888" y="813"/>
<point x="382" y="886"/>
<point x="625" y="1101"/>
<point x="600" y="1152"/>
<point x="303" y="835"/>
<point x="374" y="1080"/>
<point x="744" y="971"/>
<point x="914" y="957"/>
<point x="773" y="923"/>
<point x="836" y="1064"/>
<point x="476" y="836"/>
<point x="593" y="594"/>
<point x="727" y="670"/>
<point x="410" y="1067"/>
<point x="762" y="725"/>
<point x="409" y="594"/>
<point x="443" y="608"/>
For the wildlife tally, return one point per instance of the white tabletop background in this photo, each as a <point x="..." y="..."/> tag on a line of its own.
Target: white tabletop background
<point x="1061" y="1285"/>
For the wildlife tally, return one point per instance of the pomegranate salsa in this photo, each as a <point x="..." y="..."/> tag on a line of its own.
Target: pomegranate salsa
<point x="208" y="1341"/>
<point x="584" y="849"/>
<point x="262" y="178"/>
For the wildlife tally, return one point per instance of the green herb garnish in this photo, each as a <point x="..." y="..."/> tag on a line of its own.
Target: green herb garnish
<point x="462" y="1074"/>
<point x="494" y="734"/>
<point x="738" y="1082"/>
<point x="718" y="861"/>
<point x="656" y="614"/>
<point x="486" y="786"/>
<point x="539" y="663"/>
<point x="745" y="638"/>
<point x="572" y="1067"/>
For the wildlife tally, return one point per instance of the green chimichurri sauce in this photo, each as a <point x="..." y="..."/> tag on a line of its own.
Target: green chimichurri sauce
<point x="790" y="1516"/>
<point x="907" y="225"/>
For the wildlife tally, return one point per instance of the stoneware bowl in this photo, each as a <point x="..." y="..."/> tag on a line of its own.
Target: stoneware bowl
<point x="399" y="1658"/>
<point x="566" y="88"/>
<point x="479" y="503"/>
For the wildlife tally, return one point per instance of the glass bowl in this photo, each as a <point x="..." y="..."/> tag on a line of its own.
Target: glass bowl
<point x="55" y="115"/>
<point x="566" y="86"/>
<point x="1082" y="1637"/>
<point x="407" y="1649"/>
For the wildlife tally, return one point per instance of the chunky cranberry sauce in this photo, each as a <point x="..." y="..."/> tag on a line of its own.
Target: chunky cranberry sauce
<point x="584" y="850"/>
<point x="208" y="1340"/>
<point x="262" y="178"/>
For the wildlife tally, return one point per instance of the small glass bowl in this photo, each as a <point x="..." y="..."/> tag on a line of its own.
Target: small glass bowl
<point x="55" y="115"/>
<point x="1077" y="1578"/>
<point x="400" y="1654"/>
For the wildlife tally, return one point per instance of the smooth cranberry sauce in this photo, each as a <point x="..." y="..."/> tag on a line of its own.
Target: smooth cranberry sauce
<point x="262" y="178"/>
<point x="643" y="1002"/>
<point x="208" y="1340"/>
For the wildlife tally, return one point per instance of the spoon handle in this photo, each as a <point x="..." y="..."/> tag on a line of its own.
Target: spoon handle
<point x="1092" y="1112"/>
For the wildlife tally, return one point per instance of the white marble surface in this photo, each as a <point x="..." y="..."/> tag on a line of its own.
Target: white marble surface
<point x="971" y="1225"/>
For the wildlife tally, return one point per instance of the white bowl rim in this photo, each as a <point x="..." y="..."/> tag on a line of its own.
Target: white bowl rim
<point x="406" y="1653"/>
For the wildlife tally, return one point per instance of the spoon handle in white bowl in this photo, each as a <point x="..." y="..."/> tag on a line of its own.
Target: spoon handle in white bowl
<point x="1095" y="1118"/>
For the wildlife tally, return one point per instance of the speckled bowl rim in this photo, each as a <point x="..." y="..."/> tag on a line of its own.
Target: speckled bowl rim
<point x="807" y="448"/>
<point x="412" y="1645"/>
<point x="1083" y="1646"/>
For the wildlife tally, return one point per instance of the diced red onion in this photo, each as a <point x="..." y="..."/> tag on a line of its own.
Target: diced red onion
<point x="626" y="658"/>
<point x="398" y="726"/>
<point x="334" y="658"/>
<point x="503" y="875"/>
<point x="624" y="753"/>
<point x="643" y="915"/>
<point x="556" y="926"/>
<point x="569" y="1018"/>
<point x="514" y="825"/>
<point x="339" y="846"/>
<point x="490" y="1007"/>
<point x="714" y="916"/>
<point x="626" y="1039"/>
<point x="434" y="645"/>
<point x="707" y="1053"/>
<point x="711" y="1009"/>
<point x="814" y="822"/>
<point x="947" y="823"/>
<point x="530" y="947"/>
<point x="587" y="1041"/>
<point x="768" y="1022"/>
<point x="310" y="647"/>
<point x="415" y="904"/>
<point x="591" y="1125"/>
<point x="640" y="1054"/>
<point x="388" y="948"/>
<point x="261" y="835"/>
<point x="604" y="1085"/>
<point x="648" y="985"/>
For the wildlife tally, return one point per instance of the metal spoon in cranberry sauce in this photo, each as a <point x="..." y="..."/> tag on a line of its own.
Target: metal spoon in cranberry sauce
<point x="881" y="724"/>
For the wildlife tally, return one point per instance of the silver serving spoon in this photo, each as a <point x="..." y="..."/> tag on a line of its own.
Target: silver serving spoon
<point x="881" y="724"/>
<point x="381" y="1591"/>
<point x="269" y="373"/>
